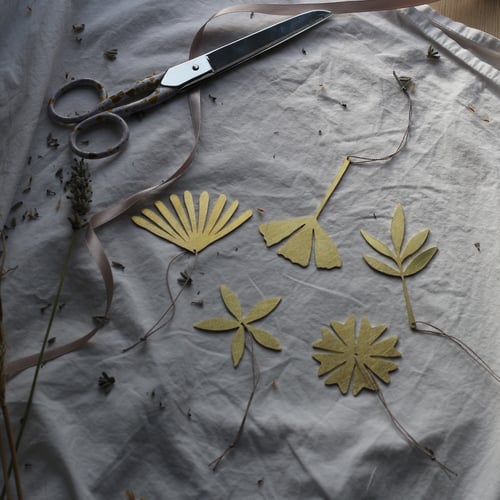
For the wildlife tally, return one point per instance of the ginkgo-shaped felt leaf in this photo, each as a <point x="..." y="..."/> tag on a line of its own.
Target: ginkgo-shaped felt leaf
<point x="242" y="323"/>
<point x="401" y="254"/>
<point x="305" y="233"/>
<point x="348" y="357"/>
<point x="187" y="230"/>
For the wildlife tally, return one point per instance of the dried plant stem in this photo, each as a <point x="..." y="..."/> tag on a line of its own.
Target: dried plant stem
<point x="255" y="381"/>
<point x="460" y="343"/>
<point x="39" y="363"/>
<point x="170" y="309"/>
<point x="374" y="386"/>
<point x="3" y="404"/>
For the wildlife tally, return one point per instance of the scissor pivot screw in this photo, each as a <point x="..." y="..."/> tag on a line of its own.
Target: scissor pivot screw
<point x="196" y="67"/>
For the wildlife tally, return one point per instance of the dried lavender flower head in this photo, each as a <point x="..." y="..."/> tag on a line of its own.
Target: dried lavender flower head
<point x="79" y="186"/>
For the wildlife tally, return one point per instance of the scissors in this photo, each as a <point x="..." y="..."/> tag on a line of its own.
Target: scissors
<point x="111" y="110"/>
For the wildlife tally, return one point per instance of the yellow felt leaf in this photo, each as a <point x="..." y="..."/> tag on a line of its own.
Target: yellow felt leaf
<point x="238" y="346"/>
<point x="299" y="246"/>
<point x="378" y="245"/>
<point x="354" y="358"/>
<point x="275" y="231"/>
<point x="415" y="244"/>
<point x="217" y="324"/>
<point x="231" y="302"/>
<point x="262" y="309"/>
<point x="398" y="228"/>
<point x="187" y="229"/>
<point x="420" y="261"/>
<point x="326" y="255"/>
<point x="381" y="267"/>
<point x="264" y="338"/>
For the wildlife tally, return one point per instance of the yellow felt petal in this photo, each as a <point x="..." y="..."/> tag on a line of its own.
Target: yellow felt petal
<point x="231" y="302"/>
<point x="342" y="376"/>
<point x="346" y="331"/>
<point x="398" y="228"/>
<point x="238" y="346"/>
<point x="381" y="368"/>
<point x="229" y="228"/>
<point x="326" y="255"/>
<point x="152" y="228"/>
<point x="369" y="334"/>
<point x="329" y="342"/>
<point x="262" y="309"/>
<point x="170" y="218"/>
<point x="203" y="210"/>
<point x="384" y="348"/>
<point x="276" y="231"/>
<point x="265" y="339"/>
<point x="362" y="379"/>
<point x="189" y="202"/>
<point x="160" y="222"/>
<point x="215" y="212"/>
<point x="217" y="324"/>
<point x="329" y="362"/>
<point x="298" y="248"/>
<point x="181" y="213"/>
<point x="224" y="218"/>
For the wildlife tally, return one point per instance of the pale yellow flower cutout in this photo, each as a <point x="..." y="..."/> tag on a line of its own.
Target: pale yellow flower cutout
<point x="242" y="323"/>
<point x="187" y="230"/>
<point x="355" y="358"/>
<point x="305" y="233"/>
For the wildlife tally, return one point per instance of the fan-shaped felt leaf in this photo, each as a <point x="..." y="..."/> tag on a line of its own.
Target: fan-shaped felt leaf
<point x="238" y="346"/>
<point x="217" y="324"/>
<point x="298" y="248"/>
<point x="381" y="267"/>
<point x="377" y="245"/>
<point x="420" y="261"/>
<point x="262" y="309"/>
<point x="265" y="339"/>
<point x="415" y="244"/>
<point x="398" y="228"/>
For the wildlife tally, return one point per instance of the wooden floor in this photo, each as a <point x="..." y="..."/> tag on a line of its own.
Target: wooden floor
<point x="481" y="14"/>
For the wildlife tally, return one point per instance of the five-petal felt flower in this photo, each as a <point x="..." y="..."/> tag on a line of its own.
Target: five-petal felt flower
<point x="348" y="357"/>
<point x="242" y="323"/>
<point x="184" y="228"/>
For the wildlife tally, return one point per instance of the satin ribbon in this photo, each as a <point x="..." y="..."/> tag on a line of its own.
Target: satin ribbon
<point x="194" y="97"/>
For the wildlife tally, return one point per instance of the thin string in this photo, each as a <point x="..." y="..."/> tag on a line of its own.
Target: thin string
<point x="366" y="159"/>
<point x="255" y="381"/>
<point x="460" y="343"/>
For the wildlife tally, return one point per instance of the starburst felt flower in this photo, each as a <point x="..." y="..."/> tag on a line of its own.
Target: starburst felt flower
<point x="187" y="229"/>
<point x="242" y="323"/>
<point x="350" y="358"/>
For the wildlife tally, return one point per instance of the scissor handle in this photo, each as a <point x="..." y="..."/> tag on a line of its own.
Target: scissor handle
<point x="75" y="84"/>
<point x="91" y="122"/>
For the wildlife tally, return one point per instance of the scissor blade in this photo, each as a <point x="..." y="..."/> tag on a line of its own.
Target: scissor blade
<point x="232" y="54"/>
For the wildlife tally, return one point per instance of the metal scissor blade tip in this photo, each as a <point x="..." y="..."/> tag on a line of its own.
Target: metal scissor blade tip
<point x="241" y="50"/>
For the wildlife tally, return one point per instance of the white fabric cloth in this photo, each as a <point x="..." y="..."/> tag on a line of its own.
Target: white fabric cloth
<point x="178" y="401"/>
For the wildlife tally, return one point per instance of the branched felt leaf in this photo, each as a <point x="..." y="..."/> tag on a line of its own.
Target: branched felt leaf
<point x="420" y="261"/>
<point x="381" y="267"/>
